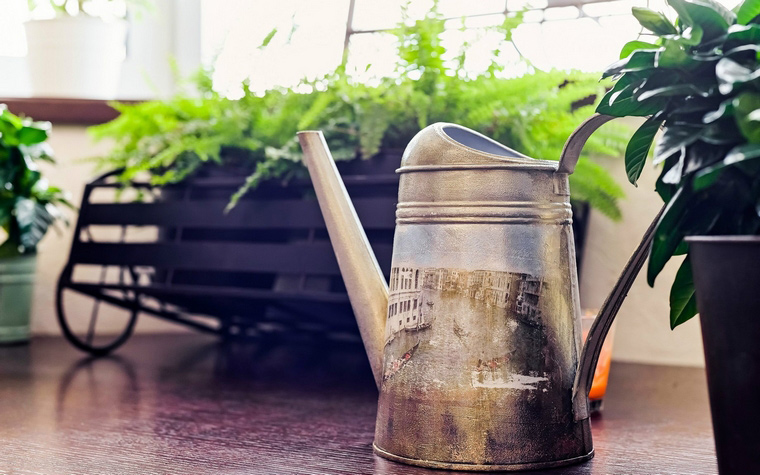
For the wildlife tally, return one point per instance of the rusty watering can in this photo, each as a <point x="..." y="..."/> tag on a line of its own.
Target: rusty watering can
<point x="475" y="344"/>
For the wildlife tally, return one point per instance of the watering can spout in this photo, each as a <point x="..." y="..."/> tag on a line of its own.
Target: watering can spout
<point x="365" y="283"/>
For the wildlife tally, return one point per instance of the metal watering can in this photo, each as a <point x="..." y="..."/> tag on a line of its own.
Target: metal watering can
<point x="475" y="344"/>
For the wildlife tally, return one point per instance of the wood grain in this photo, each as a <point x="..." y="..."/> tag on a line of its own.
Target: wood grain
<point x="187" y="404"/>
<point x="63" y="111"/>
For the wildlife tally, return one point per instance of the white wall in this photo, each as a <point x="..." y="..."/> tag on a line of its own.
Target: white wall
<point x="643" y="325"/>
<point x="643" y="332"/>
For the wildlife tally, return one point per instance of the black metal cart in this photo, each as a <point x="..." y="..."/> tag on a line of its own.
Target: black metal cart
<point x="264" y="268"/>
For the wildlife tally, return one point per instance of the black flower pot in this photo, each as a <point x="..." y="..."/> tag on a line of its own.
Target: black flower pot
<point x="727" y="279"/>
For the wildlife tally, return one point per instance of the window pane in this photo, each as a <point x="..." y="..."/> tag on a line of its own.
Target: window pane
<point x="12" y="36"/>
<point x="308" y="42"/>
<point x="561" y="34"/>
<point x="371" y="56"/>
<point x="373" y="15"/>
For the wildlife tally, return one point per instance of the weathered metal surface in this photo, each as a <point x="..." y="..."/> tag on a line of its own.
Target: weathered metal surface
<point x="361" y="273"/>
<point x="481" y="341"/>
<point x="482" y="335"/>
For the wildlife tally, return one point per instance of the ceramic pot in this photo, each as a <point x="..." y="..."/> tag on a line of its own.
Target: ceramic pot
<point x="16" y="286"/>
<point x="75" y="57"/>
<point x="727" y="277"/>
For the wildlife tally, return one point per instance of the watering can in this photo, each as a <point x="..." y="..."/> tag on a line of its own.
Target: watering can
<point x="475" y="343"/>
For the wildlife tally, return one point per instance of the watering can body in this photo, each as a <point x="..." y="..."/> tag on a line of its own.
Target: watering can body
<point x="475" y="343"/>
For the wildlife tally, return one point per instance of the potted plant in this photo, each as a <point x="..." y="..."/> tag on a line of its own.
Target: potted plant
<point x="189" y="136"/>
<point x="171" y="139"/>
<point x="28" y="206"/>
<point x="75" y="48"/>
<point x="696" y="78"/>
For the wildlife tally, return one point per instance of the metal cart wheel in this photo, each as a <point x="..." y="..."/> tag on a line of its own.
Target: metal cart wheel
<point x="79" y="306"/>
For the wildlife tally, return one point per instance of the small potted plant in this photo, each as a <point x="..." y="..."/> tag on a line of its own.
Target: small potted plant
<point x="28" y="206"/>
<point x="75" y="48"/>
<point x="698" y="79"/>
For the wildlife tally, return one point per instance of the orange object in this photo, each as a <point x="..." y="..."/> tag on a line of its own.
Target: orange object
<point x="602" y="372"/>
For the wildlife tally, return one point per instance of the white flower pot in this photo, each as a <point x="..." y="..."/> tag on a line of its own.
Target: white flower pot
<point x="75" y="57"/>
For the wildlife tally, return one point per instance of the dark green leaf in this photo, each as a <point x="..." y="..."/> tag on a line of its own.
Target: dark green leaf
<point x="713" y="17"/>
<point x="672" y="55"/>
<point x="743" y="52"/>
<point x="683" y="300"/>
<point x="638" y="148"/>
<point x="746" y="107"/>
<point x="654" y="21"/>
<point x="632" y="46"/>
<point x="666" y="237"/>
<point x="747" y="10"/>
<point x="674" y="138"/>
<point x="684" y="215"/>
<point x="726" y="109"/>
<point x="691" y="36"/>
<point x="639" y="60"/>
<point x="730" y="73"/>
<point x="739" y="35"/>
<point x="701" y="155"/>
<point x="33" y="222"/>
<point x="682" y="249"/>
<point x="674" y="90"/>
<point x="673" y="174"/>
<point x="665" y="190"/>
<point x="724" y="132"/>
<point x="707" y="177"/>
<point x="619" y="101"/>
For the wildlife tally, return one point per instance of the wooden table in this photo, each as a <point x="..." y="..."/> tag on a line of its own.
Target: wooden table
<point x="185" y="404"/>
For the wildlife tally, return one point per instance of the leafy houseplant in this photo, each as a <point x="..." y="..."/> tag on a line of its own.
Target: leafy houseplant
<point x="534" y="114"/>
<point x="697" y="79"/>
<point x="76" y="47"/>
<point x="698" y="82"/>
<point x="28" y="206"/>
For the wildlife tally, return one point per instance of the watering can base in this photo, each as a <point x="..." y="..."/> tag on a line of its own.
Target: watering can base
<point x="470" y="467"/>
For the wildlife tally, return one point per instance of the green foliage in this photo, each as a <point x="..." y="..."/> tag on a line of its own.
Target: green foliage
<point x="28" y="204"/>
<point x="534" y="114"/>
<point x="700" y="79"/>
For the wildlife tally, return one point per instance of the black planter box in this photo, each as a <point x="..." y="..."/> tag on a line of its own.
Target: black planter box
<point x="265" y="268"/>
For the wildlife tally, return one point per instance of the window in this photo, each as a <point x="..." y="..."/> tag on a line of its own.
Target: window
<point x="170" y="30"/>
<point x="312" y="37"/>
<point x="12" y="38"/>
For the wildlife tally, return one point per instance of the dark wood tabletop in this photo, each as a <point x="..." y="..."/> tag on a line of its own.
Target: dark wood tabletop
<point x="185" y="404"/>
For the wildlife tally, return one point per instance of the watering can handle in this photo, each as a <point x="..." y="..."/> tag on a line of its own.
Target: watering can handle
<point x="601" y="326"/>
<point x="572" y="149"/>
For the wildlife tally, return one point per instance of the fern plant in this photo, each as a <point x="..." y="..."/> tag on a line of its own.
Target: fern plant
<point x="534" y="114"/>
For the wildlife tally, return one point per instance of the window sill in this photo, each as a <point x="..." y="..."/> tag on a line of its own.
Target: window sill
<point x="63" y="111"/>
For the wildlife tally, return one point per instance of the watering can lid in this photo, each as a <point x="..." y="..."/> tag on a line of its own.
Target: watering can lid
<point x="445" y="144"/>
